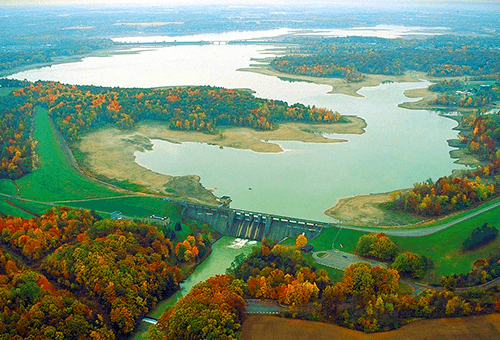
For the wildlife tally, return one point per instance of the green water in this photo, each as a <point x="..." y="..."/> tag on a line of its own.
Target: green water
<point x="223" y="253"/>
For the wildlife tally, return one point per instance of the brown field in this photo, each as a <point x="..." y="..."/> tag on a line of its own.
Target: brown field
<point x="484" y="327"/>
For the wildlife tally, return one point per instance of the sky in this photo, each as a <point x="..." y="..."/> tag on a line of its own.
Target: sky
<point x="232" y="2"/>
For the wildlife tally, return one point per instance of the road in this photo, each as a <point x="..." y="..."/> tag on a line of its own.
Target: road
<point x="423" y="231"/>
<point x="255" y="306"/>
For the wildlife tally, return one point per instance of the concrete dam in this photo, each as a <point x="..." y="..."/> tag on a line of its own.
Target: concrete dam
<point x="253" y="225"/>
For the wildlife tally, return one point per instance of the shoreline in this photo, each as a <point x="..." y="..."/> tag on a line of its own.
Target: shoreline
<point x="338" y="85"/>
<point x="365" y="211"/>
<point x="109" y="152"/>
<point x="58" y="60"/>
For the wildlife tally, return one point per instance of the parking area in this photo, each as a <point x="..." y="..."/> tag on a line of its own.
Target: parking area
<point x="341" y="260"/>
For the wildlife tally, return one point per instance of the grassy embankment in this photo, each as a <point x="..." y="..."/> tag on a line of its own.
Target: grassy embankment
<point x="55" y="180"/>
<point x="444" y="246"/>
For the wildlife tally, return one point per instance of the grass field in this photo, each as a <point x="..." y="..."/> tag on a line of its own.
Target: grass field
<point x="8" y="209"/>
<point x="443" y="247"/>
<point x="8" y="187"/>
<point x="139" y="207"/>
<point x="55" y="179"/>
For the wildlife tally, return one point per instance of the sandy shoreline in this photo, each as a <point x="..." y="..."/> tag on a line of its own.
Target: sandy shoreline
<point x="110" y="152"/>
<point x="340" y="86"/>
<point x="365" y="210"/>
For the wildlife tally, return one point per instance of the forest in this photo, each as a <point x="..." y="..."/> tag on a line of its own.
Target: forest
<point x="367" y="299"/>
<point x="351" y="57"/>
<point x="118" y="269"/>
<point x="456" y="93"/>
<point x="79" y="109"/>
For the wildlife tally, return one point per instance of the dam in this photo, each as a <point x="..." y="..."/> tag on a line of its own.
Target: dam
<point x="253" y="225"/>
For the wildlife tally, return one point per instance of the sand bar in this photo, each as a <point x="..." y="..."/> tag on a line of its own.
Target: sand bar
<point x="339" y="85"/>
<point x="110" y="152"/>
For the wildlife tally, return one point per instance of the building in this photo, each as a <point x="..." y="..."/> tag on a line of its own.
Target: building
<point x="307" y="248"/>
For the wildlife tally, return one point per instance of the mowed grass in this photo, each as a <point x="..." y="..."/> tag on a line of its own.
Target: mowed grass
<point x="138" y="207"/>
<point x="9" y="210"/>
<point x="8" y="187"/>
<point x="55" y="179"/>
<point x="444" y="247"/>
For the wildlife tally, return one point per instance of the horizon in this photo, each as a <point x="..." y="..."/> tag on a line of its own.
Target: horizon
<point x="369" y="3"/>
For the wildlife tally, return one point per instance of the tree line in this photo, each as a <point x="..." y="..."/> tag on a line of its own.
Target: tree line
<point x="350" y="57"/>
<point x="367" y="299"/>
<point x="79" y="109"/>
<point x="456" y="93"/>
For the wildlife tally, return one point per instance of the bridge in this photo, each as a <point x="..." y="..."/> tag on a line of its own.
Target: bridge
<point x="253" y="225"/>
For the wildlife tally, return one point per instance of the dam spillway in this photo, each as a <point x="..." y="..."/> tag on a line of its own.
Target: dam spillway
<point x="252" y="225"/>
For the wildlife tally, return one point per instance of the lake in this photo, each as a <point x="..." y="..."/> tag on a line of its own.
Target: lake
<point x="400" y="146"/>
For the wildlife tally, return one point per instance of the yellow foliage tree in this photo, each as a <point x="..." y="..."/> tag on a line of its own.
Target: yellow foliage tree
<point x="301" y="241"/>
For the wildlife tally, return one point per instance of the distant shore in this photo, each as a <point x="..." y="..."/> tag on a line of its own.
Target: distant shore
<point x="110" y="152"/>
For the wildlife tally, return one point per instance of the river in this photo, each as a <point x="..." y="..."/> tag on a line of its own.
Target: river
<point x="223" y="253"/>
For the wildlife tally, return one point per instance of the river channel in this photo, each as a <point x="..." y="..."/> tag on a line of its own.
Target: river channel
<point x="223" y="253"/>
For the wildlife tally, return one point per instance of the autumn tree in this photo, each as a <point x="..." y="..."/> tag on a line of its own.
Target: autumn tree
<point x="377" y="245"/>
<point x="301" y="241"/>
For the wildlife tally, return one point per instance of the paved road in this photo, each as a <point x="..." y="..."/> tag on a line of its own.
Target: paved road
<point x="341" y="260"/>
<point x="423" y="231"/>
<point x="255" y="306"/>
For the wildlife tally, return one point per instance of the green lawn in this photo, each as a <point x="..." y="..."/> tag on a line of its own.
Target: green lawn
<point x="443" y="247"/>
<point x="8" y="209"/>
<point x="55" y="179"/>
<point x="8" y="187"/>
<point x="138" y="207"/>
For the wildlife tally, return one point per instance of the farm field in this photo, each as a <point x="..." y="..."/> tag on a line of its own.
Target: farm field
<point x="486" y="327"/>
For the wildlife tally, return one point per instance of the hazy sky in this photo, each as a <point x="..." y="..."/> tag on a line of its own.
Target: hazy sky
<point x="233" y="2"/>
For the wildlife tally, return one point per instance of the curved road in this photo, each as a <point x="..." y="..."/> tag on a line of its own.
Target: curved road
<point x="423" y="231"/>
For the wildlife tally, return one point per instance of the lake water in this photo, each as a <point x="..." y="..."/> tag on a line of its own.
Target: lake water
<point x="400" y="146"/>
